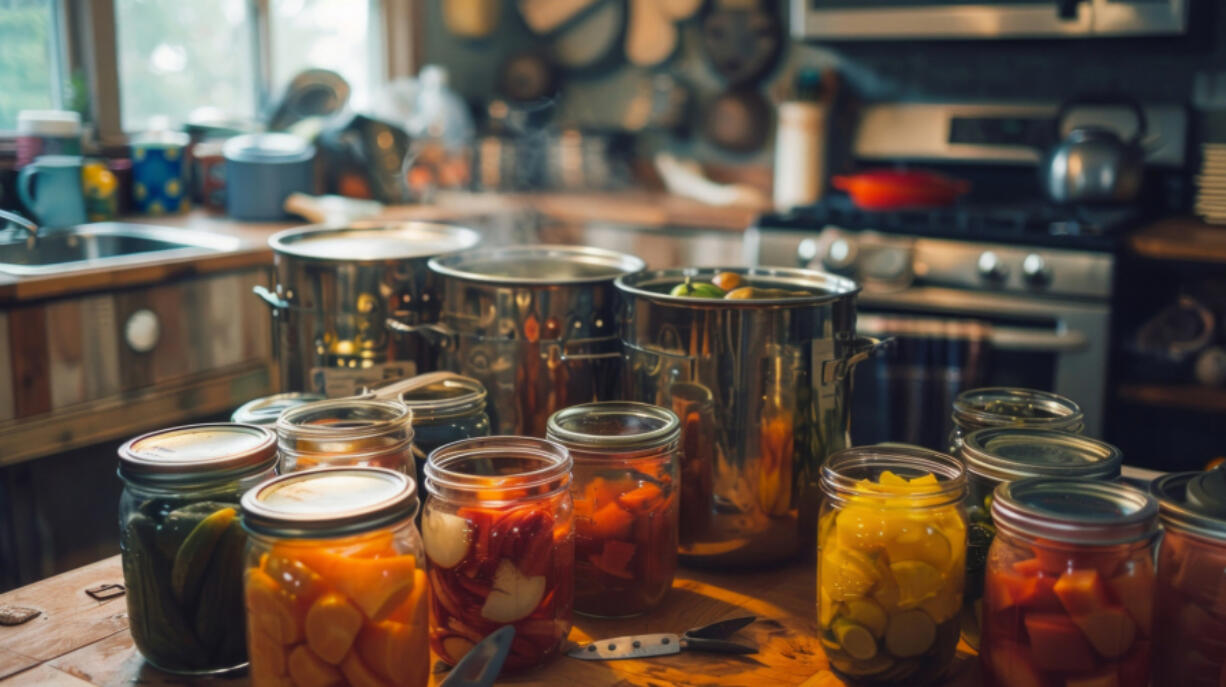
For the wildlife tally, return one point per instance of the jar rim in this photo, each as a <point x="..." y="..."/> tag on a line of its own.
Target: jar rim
<point x="346" y="501"/>
<point x="266" y="410"/>
<point x="563" y="426"/>
<point x="1074" y="511"/>
<point x="1174" y="509"/>
<point x="471" y="397"/>
<point x="387" y="417"/>
<point x="844" y="470"/>
<point x="971" y="408"/>
<point x="440" y="475"/>
<point x="983" y="451"/>
<point x="174" y="455"/>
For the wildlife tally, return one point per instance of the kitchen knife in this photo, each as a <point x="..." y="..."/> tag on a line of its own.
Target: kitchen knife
<point x="481" y="665"/>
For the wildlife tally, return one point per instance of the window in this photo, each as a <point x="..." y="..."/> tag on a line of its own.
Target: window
<point x="30" y="61"/>
<point x="329" y="34"/>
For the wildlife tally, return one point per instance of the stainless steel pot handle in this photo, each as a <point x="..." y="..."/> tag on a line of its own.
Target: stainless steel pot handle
<point x="270" y="298"/>
<point x="563" y="356"/>
<point x="437" y="334"/>
<point x="864" y="348"/>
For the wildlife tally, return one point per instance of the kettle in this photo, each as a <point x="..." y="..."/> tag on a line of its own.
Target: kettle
<point x="1093" y="164"/>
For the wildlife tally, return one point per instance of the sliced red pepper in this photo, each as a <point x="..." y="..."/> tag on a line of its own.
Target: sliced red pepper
<point x="442" y="594"/>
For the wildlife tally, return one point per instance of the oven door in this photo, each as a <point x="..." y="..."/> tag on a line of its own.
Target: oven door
<point x="949" y="340"/>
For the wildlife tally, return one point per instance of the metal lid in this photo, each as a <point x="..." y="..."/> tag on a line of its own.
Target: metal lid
<point x="195" y="453"/>
<point x="1074" y="511"/>
<point x="1005" y="406"/>
<point x="618" y="425"/>
<point x="277" y="148"/>
<point x="265" y="411"/>
<point x="821" y="286"/>
<point x="543" y="264"/>
<point x="373" y="241"/>
<point x="1010" y="453"/>
<point x="1193" y="500"/>
<point x="447" y="395"/>
<point x="352" y="426"/>
<point x="329" y="502"/>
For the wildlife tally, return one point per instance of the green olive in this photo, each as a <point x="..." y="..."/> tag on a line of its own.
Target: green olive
<point x="700" y="289"/>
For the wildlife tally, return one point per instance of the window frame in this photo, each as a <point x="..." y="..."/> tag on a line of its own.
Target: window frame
<point x="88" y="39"/>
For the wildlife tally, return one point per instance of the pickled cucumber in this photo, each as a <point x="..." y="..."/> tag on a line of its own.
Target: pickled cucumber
<point x="158" y="625"/>
<point x="191" y="559"/>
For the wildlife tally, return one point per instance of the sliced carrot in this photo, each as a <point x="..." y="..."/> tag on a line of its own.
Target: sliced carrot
<point x="267" y="657"/>
<point x="308" y="670"/>
<point x="602" y="492"/>
<point x="1134" y="666"/>
<point x="1029" y="566"/>
<point x="642" y="499"/>
<point x="271" y="610"/>
<point x="584" y="508"/>
<point x="1012" y="665"/>
<point x="1111" y="631"/>
<point x="1134" y="590"/>
<point x="295" y="578"/>
<point x="376" y="585"/>
<point x="611" y="522"/>
<point x="358" y="675"/>
<point x="414" y="609"/>
<point x="1081" y="592"/>
<point x="1057" y="644"/>
<point x="332" y="624"/>
<point x="1006" y="590"/>
<point x="615" y="557"/>
<point x="396" y="651"/>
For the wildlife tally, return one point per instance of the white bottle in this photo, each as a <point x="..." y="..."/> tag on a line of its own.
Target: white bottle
<point x="800" y="157"/>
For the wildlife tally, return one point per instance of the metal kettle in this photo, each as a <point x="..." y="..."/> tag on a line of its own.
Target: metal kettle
<point x="1093" y="164"/>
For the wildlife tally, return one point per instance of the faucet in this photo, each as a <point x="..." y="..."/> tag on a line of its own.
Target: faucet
<point x="17" y="220"/>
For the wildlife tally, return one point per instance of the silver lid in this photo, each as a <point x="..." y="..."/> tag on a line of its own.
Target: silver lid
<point x="268" y="147"/>
<point x="1193" y="500"/>
<point x="1074" y="511"/>
<point x="329" y="502"/>
<point x="617" y="425"/>
<point x="1010" y="453"/>
<point x="196" y="453"/>
<point x="537" y="265"/>
<point x="821" y="287"/>
<point x="373" y="241"/>
<point x="266" y="410"/>
<point x="1009" y="406"/>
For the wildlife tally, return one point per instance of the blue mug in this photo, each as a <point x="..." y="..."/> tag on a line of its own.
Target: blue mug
<point x="159" y="175"/>
<point x="50" y="188"/>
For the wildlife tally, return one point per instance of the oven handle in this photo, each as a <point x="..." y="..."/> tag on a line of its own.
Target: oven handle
<point x="1002" y="338"/>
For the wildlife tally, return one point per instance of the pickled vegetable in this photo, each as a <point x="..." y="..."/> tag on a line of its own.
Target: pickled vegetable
<point x="697" y="289"/>
<point x="342" y="612"/>
<point x="728" y="280"/>
<point x="1190" y="613"/>
<point x="890" y="580"/>
<point x="183" y="570"/>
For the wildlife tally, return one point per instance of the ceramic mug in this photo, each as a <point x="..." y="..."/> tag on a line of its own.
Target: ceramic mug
<point x="159" y="175"/>
<point x="50" y="189"/>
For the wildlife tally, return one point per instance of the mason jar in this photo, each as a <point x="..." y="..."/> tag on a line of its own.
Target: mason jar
<point x="1005" y="454"/>
<point x="499" y="533"/>
<point x="1013" y="407"/>
<point x="334" y="580"/>
<point x="626" y="503"/>
<point x="1190" y="613"/>
<point x="182" y="541"/>
<point x="266" y="410"/>
<point x="346" y="432"/>
<point x="891" y="563"/>
<point x="1069" y="584"/>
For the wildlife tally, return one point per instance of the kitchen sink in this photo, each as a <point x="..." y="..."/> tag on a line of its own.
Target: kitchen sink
<point x="103" y="244"/>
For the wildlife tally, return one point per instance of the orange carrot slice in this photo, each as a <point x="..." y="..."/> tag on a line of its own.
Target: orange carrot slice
<point x="396" y="651"/>
<point x="1081" y="592"/>
<point x="308" y="670"/>
<point x="332" y="624"/>
<point x="641" y="499"/>
<point x="271" y="610"/>
<point x="414" y="611"/>
<point x="611" y="522"/>
<point x="358" y="675"/>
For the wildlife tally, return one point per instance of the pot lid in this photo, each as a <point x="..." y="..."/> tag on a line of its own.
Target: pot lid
<point x="269" y="147"/>
<point x="1010" y="453"/>
<point x="266" y="410"/>
<point x="1194" y="500"/>
<point x="329" y="502"/>
<point x="822" y="286"/>
<point x="193" y="453"/>
<point x="373" y="242"/>
<point x="619" y="425"/>
<point x="1075" y="511"/>
<point x="543" y="264"/>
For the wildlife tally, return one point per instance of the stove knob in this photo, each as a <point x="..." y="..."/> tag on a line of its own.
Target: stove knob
<point x="991" y="268"/>
<point x="806" y="253"/>
<point x="840" y="254"/>
<point x="1036" y="271"/>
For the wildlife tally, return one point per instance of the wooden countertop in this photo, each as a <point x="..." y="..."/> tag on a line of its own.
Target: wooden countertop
<point x="1180" y="238"/>
<point x="78" y="642"/>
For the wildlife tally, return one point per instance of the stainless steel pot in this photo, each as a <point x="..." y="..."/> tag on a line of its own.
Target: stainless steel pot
<point x="763" y="391"/>
<point x="336" y="288"/>
<point x="536" y="325"/>
<point x="1093" y="164"/>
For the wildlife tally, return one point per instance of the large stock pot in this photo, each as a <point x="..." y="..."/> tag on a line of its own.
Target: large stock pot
<point x="536" y="325"/>
<point x="762" y="388"/>
<point x="336" y="288"/>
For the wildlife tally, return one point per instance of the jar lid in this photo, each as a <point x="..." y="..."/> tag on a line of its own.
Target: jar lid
<point x="49" y="122"/>
<point x="334" y="425"/>
<point x="620" y="425"/>
<point x="1010" y="453"/>
<point x="537" y="265"/>
<point x="265" y="411"/>
<point x="203" y="452"/>
<point x="373" y="241"/>
<point x="277" y="148"/>
<point x="1003" y="406"/>
<point x="329" y="502"/>
<point x="1075" y="511"/>
<point x="1194" y="500"/>
<point x="446" y="395"/>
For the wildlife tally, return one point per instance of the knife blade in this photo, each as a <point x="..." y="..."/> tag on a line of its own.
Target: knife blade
<point x="481" y="665"/>
<point x="630" y="646"/>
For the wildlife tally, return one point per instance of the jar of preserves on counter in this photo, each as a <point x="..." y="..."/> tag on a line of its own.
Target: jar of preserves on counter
<point x="346" y="432"/>
<point x="266" y="410"/>
<point x="891" y="563"/>
<point x="1005" y="454"/>
<point x="182" y="541"/>
<point x="1013" y="407"/>
<point x="499" y="532"/>
<point x="334" y="580"/>
<point x="1068" y="597"/>
<point x="1190" y="620"/>
<point x="626" y="503"/>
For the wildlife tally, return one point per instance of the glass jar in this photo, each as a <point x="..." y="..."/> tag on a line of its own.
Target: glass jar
<point x="1068" y="596"/>
<point x="1005" y="454"/>
<point x="499" y="532"/>
<point x="334" y="579"/>
<point x="1190" y="612"/>
<point x="626" y="503"/>
<point x="1013" y="407"/>
<point x="346" y="432"/>
<point x="182" y="542"/>
<point x="266" y="410"/>
<point x="891" y="568"/>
